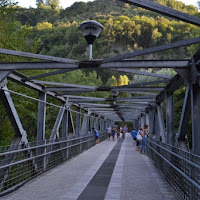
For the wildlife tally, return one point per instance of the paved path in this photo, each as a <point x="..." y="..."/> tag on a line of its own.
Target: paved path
<point x="134" y="177"/>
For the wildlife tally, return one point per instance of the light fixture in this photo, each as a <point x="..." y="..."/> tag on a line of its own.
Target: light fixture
<point x="91" y="30"/>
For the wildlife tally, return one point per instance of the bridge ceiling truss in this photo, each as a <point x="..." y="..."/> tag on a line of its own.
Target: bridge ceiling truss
<point x="143" y="99"/>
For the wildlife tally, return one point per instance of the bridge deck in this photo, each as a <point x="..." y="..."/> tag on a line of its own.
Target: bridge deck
<point x="89" y="176"/>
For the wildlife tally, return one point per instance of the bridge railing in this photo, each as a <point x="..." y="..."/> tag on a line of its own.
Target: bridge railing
<point x="18" y="164"/>
<point x="180" y="168"/>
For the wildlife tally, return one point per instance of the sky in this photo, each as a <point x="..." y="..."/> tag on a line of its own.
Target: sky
<point x="67" y="3"/>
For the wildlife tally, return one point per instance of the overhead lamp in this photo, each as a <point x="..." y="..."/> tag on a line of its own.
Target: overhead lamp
<point x="91" y="30"/>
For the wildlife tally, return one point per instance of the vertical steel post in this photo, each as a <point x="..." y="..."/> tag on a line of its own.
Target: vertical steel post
<point x="147" y="118"/>
<point x="142" y="120"/>
<point x="161" y="123"/>
<point x="151" y="123"/>
<point x="65" y="124"/>
<point x="78" y="121"/>
<point x="185" y="117"/>
<point x="157" y="127"/>
<point x="93" y="120"/>
<point x="195" y="108"/>
<point x="170" y="118"/>
<point x="41" y="116"/>
<point x="136" y="124"/>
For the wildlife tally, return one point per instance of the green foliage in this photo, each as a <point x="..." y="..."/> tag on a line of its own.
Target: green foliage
<point x="53" y="31"/>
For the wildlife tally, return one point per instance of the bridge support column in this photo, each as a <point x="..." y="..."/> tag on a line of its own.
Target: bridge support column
<point x="147" y="118"/>
<point x="195" y="109"/>
<point x="92" y="120"/>
<point x="160" y="123"/>
<point x="55" y="130"/>
<point x="142" y="121"/>
<point x="65" y="124"/>
<point x="65" y="121"/>
<point x="20" y="136"/>
<point x="41" y="116"/>
<point x="170" y="118"/>
<point x="185" y="117"/>
<point x="136" y="124"/>
<point x="78" y="121"/>
<point x="151" y="123"/>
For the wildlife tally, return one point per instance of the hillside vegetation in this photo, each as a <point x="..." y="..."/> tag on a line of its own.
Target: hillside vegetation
<point x="51" y="30"/>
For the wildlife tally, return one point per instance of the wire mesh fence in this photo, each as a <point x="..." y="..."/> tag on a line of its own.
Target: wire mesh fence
<point x="20" y="163"/>
<point x="180" y="168"/>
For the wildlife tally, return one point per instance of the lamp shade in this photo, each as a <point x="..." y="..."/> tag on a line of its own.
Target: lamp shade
<point x="91" y="30"/>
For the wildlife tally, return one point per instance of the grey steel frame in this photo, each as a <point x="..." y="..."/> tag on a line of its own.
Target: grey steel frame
<point x="180" y="168"/>
<point x="24" y="160"/>
<point x="46" y="154"/>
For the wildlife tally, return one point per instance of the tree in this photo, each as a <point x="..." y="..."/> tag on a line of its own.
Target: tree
<point x="39" y="2"/>
<point x="6" y="3"/>
<point x="44" y="25"/>
<point x="53" y="4"/>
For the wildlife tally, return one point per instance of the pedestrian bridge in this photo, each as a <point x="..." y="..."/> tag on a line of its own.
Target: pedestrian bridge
<point x="111" y="170"/>
<point x="33" y="165"/>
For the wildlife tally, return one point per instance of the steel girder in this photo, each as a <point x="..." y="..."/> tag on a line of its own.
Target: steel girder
<point x="150" y="5"/>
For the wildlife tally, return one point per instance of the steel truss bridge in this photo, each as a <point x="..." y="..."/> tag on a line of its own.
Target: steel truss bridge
<point x="23" y="160"/>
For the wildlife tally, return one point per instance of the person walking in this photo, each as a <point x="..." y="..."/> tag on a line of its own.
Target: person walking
<point x="145" y="135"/>
<point x="139" y="139"/>
<point x="96" y="135"/>
<point x="118" y="133"/>
<point x="109" y="132"/>
<point x="124" y="131"/>
<point x="134" y="134"/>
<point x="113" y="133"/>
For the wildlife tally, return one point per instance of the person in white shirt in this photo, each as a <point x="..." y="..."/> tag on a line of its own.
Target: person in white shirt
<point x="109" y="132"/>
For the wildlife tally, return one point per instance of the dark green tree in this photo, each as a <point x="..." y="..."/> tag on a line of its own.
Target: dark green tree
<point x="53" y="4"/>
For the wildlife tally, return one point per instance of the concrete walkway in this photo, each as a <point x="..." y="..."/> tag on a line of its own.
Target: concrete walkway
<point x="134" y="177"/>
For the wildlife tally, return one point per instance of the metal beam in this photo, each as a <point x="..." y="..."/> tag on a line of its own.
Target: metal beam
<point x="153" y="49"/>
<point x="37" y="65"/>
<point x="146" y="83"/>
<point x="144" y="93"/>
<point x="61" y="71"/>
<point x="12" y="114"/>
<point x="184" y="120"/>
<point x="170" y="118"/>
<point x="161" y="123"/>
<point x="133" y="71"/>
<point x="67" y="89"/>
<point x="146" y="64"/>
<point x="3" y="75"/>
<point x="196" y="56"/>
<point x="18" y="77"/>
<point x="71" y="122"/>
<point x="36" y="56"/>
<point x="175" y="83"/>
<point x="78" y="121"/>
<point x="151" y="122"/>
<point x="86" y="100"/>
<point x="92" y="105"/>
<point x="81" y="89"/>
<point x="195" y="111"/>
<point x="155" y="7"/>
<point x="41" y="116"/>
<point x="63" y="85"/>
<point x="55" y="130"/>
<point x="83" y="97"/>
